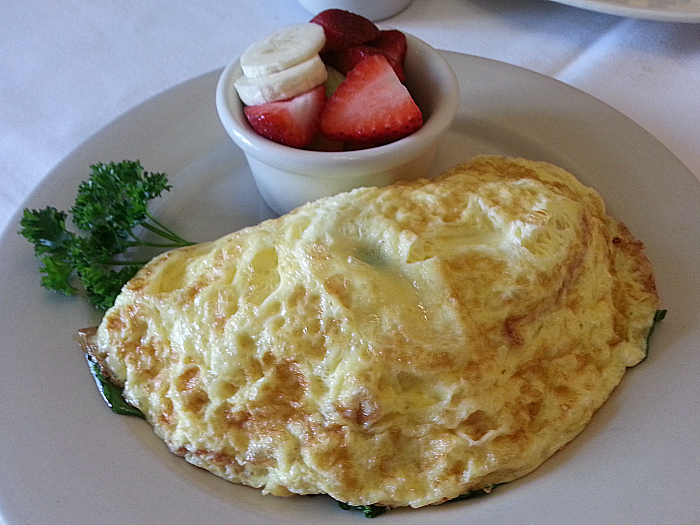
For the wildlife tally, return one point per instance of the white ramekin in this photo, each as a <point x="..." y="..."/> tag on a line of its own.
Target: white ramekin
<point x="372" y="9"/>
<point x="288" y="177"/>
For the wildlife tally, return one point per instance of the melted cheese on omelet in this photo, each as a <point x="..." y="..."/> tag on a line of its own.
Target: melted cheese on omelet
<point x="396" y="346"/>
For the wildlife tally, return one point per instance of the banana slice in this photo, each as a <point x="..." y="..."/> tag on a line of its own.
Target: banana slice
<point x="282" y="49"/>
<point x="284" y="84"/>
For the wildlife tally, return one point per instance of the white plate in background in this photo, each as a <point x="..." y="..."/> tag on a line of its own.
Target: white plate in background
<point x="662" y="10"/>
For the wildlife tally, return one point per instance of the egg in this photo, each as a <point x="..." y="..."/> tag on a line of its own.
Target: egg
<point x="396" y="346"/>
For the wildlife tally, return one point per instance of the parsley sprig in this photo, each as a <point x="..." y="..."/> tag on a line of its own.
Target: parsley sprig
<point x="109" y="209"/>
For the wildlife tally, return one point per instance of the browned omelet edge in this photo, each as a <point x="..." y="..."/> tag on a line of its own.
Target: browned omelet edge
<point x="624" y="240"/>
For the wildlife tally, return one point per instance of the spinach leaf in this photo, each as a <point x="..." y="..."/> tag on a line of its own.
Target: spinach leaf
<point x="111" y="393"/>
<point x="370" y="511"/>
<point x="658" y="317"/>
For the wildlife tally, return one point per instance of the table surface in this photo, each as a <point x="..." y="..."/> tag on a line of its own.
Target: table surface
<point x="69" y="67"/>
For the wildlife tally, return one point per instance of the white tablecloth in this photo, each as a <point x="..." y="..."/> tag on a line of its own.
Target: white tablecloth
<point x="69" y="67"/>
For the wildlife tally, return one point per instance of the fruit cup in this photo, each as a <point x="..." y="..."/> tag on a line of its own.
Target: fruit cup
<point x="289" y="177"/>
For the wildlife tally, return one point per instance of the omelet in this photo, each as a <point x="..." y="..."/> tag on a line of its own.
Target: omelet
<point x="396" y="346"/>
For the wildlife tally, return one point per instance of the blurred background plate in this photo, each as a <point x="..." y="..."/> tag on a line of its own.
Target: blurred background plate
<point x="664" y="10"/>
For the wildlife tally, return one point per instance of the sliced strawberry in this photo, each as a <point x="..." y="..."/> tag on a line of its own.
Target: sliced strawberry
<point x="293" y="122"/>
<point x="392" y="43"/>
<point x="345" y="29"/>
<point x="372" y="105"/>
<point x="321" y="143"/>
<point x="346" y="59"/>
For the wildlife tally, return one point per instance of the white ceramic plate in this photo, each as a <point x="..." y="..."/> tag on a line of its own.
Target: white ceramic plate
<point x="66" y="459"/>
<point x="663" y="10"/>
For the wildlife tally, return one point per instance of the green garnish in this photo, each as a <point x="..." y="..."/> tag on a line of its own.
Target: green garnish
<point x="474" y="493"/>
<point x="370" y="511"/>
<point x="111" y="393"/>
<point x="108" y="208"/>
<point x="658" y="317"/>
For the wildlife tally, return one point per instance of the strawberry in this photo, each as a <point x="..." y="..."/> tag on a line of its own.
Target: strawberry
<point x="372" y="105"/>
<point x="346" y="59"/>
<point x="293" y="122"/>
<point x="345" y="29"/>
<point x="393" y="44"/>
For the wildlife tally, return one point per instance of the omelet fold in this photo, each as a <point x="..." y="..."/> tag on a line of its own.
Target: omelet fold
<point x="397" y="346"/>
